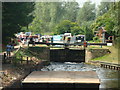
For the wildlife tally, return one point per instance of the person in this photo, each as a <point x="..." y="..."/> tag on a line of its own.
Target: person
<point x="68" y="40"/>
<point x="12" y="47"/>
<point x="32" y="41"/>
<point x="85" y="44"/>
<point x="12" y="44"/>
<point x="43" y="40"/>
<point x="23" y="41"/>
<point x="8" y="50"/>
<point x="51" y="39"/>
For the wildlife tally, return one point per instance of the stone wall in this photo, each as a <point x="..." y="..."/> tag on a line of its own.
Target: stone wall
<point x="94" y="53"/>
<point x="40" y="52"/>
<point x="58" y="55"/>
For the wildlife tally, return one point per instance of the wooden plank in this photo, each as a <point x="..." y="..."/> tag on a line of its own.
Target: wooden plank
<point x="62" y="77"/>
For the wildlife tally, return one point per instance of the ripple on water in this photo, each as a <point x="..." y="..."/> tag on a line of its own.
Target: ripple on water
<point x="108" y="78"/>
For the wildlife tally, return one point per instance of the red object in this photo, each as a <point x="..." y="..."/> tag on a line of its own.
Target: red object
<point x="19" y="40"/>
<point x="85" y="44"/>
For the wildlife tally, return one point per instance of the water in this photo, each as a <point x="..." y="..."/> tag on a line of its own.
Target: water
<point x="108" y="78"/>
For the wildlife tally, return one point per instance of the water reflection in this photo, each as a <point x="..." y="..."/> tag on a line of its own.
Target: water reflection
<point x="108" y="78"/>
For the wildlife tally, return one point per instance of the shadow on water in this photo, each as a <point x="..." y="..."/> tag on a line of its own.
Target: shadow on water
<point x="108" y="78"/>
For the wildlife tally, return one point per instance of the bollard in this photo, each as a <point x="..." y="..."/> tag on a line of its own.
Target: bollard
<point x="114" y="67"/>
<point x="109" y="66"/>
<point x="118" y="68"/>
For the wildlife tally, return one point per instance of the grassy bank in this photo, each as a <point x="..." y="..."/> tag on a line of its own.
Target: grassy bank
<point x="110" y="57"/>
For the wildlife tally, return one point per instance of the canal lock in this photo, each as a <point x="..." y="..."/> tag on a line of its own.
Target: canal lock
<point x="108" y="78"/>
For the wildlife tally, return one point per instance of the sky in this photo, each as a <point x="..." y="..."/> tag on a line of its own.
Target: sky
<point x="97" y="2"/>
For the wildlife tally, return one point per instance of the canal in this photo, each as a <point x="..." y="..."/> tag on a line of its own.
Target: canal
<point x="108" y="78"/>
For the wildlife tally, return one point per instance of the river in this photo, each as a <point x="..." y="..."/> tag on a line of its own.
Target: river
<point x="108" y="78"/>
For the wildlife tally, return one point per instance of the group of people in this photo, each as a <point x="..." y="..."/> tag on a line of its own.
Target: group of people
<point x="47" y="40"/>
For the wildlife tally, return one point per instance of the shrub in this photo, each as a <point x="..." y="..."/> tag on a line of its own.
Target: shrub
<point x="96" y="39"/>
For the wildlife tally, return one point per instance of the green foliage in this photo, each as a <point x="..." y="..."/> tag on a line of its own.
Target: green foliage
<point x="103" y="8"/>
<point x="86" y="13"/>
<point x="46" y="16"/>
<point x="109" y="20"/>
<point x="19" y="54"/>
<point x="49" y="14"/>
<point x="70" y="10"/>
<point x="15" y="15"/>
<point x="96" y="39"/>
<point x="87" y="30"/>
<point x="67" y="26"/>
<point x="63" y="27"/>
<point x="61" y="17"/>
<point x="75" y="30"/>
<point x="36" y="26"/>
<point x="104" y="21"/>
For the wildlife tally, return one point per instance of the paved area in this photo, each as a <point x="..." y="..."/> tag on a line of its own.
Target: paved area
<point x="62" y="77"/>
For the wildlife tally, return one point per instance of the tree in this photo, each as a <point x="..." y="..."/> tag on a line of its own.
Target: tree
<point x="104" y="21"/>
<point x="14" y="16"/>
<point x="70" y="10"/>
<point x="35" y="26"/>
<point x="52" y="13"/>
<point x="67" y="26"/>
<point x="88" y="32"/>
<point x="103" y="8"/>
<point x="63" y="27"/>
<point x="110" y="20"/>
<point x="115" y="14"/>
<point x="75" y="30"/>
<point x="86" y="13"/>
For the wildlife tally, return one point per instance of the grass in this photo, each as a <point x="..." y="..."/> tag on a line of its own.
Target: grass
<point x="110" y="58"/>
<point x="97" y="47"/>
<point x="93" y="41"/>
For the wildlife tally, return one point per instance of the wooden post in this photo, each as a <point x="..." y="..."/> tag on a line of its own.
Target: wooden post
<point x="114" y="67"/>
<point x="27" y="60"/>
<point x="28" y="43"/>
<point x="4" y="58"/>
<point x="109" y="66"/>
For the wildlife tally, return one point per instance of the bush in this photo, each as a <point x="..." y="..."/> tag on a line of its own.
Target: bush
<point x="96" y="39"/>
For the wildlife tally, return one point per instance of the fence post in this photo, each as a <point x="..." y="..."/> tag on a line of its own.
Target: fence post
<point x="4" y="58"/>
<point x="27" y="60"/>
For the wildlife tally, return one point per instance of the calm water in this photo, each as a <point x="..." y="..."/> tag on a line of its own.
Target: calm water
<point x="108" y="78"/>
